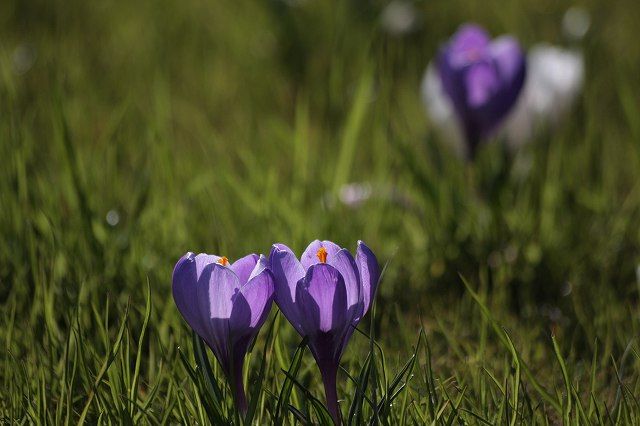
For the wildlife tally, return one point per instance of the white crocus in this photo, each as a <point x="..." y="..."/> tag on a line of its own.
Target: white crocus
<point x="440" y="110"/>
<point x="554" y="80"/>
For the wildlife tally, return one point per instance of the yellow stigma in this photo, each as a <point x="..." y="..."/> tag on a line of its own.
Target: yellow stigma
<point x="322" y="254"/>
<point x="223" y="261"/>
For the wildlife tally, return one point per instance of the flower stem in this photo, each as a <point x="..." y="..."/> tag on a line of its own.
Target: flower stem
<point x="239" y="396"/>
<point x="330" y="391"/>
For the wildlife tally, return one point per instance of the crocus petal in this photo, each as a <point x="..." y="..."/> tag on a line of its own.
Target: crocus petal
<point x="482" y="83"/>
<point x="510" y="64"/>
<point x="261" y="265"/>
<point x="202" y="260"/>
<point x="509" y="57"/>
<point x="187" y="277"/>
<point x="251" y="306"/>
<point x="215" y="297"/>
<point x="467" y="44"/>
<point x="287" y="271"/>
<point x="215" y="303"/>
<point x="256" y="296"/>
<point x="310" y="255"/>
<point x="369" y="273"/>
<point x="322" y="300"/>
<point x="452" y="83"/>
<point x="283" y="247"/>
<point x="243" y="267"/>
<point x="345" y="264"/>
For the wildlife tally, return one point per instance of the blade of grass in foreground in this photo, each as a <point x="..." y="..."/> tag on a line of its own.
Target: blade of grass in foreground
<point x="321" y="412"/>
<point x="392" y="393"/>
<point x="202" y="403"/>
<point x="592" y="379"/>
<point x="105" y="366"/>
<point x="365" y="372"/>
<point x="516" y="384"/>
<point x="287" y="385"/>
<point x="136" y="373"/>
<point x="432" y="397"/>
<point x="500" y="333"/>
<point x="566" y="409"/>
<point x="256" y="387"/>
<point x="213" y="392"/>
<point x="355" y="411"/>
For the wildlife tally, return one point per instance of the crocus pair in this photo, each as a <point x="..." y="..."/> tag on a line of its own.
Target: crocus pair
<point x="324" y="295"/>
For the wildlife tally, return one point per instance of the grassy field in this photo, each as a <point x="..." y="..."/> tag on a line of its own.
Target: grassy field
<point x="132" y="132"/>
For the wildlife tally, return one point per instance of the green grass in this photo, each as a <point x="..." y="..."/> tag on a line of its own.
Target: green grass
<point x="510" y="296"/>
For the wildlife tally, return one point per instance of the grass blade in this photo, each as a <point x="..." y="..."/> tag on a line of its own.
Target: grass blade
<point x="287" y="385"/>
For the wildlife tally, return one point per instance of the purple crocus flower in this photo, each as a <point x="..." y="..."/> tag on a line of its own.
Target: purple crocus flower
<point x="482" y="78"/>
<point x="225" y="304"/>
<point x="324" y="295"/>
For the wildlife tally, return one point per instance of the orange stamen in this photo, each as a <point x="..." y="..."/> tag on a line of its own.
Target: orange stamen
<point x="322" y="254"/>
<point x="223" y="261"/>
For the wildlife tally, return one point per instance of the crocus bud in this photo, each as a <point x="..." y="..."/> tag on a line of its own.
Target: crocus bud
<point x="225" y="304"/>
<point x="482" y="79"/>
<point x="324" y="295"/>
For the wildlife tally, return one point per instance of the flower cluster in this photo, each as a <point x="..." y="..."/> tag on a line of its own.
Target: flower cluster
<point x="324" y="295"/>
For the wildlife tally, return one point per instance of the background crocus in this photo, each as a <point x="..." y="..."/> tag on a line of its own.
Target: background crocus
<point x="324" y="295"/>
<point x="225" y="304"/>
<point x="480" y="77"/>
<point x="554" y="79"/>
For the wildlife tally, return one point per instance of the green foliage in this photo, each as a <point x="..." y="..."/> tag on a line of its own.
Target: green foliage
<point x="131" y="132"/>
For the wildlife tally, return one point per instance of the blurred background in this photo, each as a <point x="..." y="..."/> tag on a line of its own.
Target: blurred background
<point x="132" y="132"/>
<point x="226" y="126"/>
